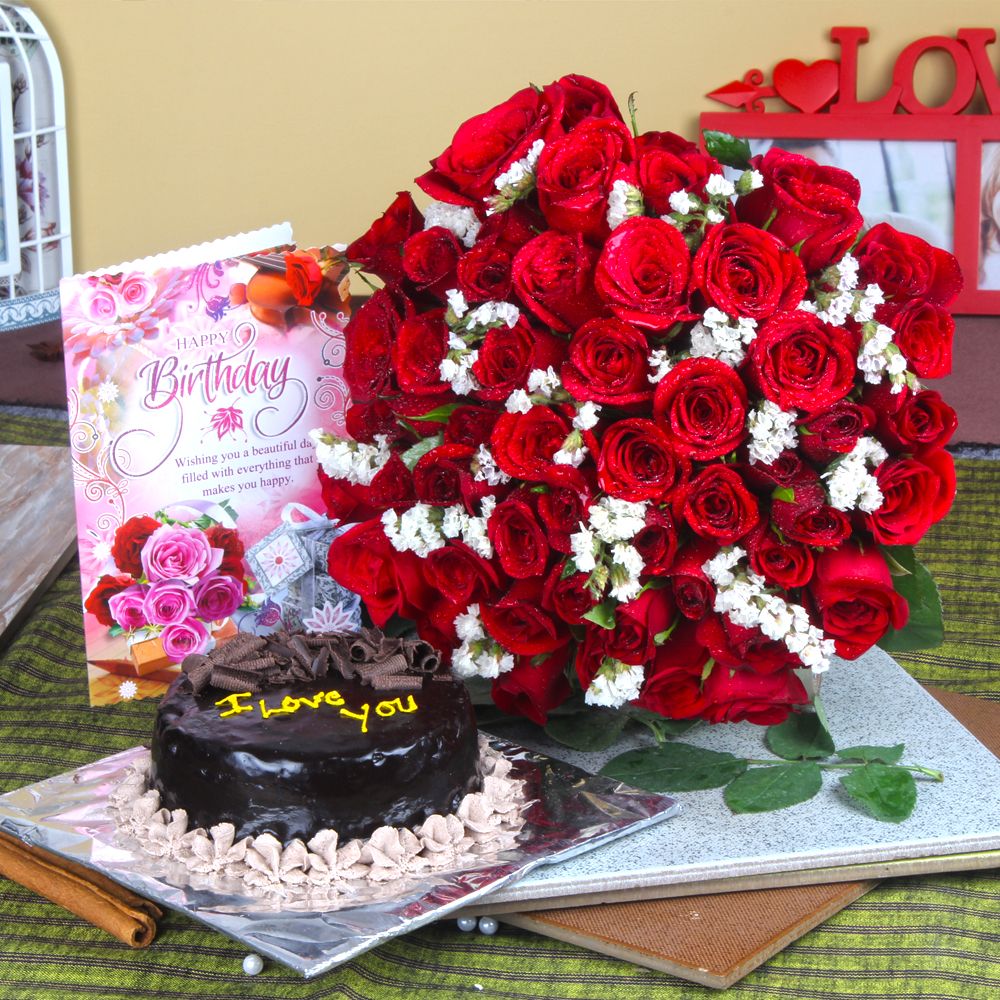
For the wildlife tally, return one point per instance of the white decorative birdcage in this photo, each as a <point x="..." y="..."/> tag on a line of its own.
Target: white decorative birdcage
<point x="36" y="247"/>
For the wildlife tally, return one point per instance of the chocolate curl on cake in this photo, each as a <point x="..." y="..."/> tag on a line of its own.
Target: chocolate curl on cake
<point x="252" y="663"/>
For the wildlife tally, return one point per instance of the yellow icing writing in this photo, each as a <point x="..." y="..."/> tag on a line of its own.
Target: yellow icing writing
<point x="290" y="705"/>
<point x="236" y="707"/>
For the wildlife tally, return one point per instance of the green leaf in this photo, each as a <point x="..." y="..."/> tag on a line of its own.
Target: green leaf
<point x="900" y="558"/>
<point x="674" y="767"/>
<point x="820" y="709"/>
<point x="661" y="637"/>
<point x="925" y="627"/>
<point x="802" y="736"/>
<point x="727" y="149"/>
<point x="662" y="728"/>
<point x="440" y="413"/>
<point x="590" y="731"/>
<point x="880" y="755"/>
<point x="633" y="108"/>
<point x="785" y="493"/>
<point x="413" y="455"/>
<point x="602" y="614"/>
<point x="888" y="793"/>
<point x="762" y="789"/>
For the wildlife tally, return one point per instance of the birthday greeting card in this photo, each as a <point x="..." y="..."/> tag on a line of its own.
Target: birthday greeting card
<point x="194" y="380"/>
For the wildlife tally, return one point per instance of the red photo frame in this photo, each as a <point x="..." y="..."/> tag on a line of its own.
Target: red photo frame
<point x="831" y="85"/>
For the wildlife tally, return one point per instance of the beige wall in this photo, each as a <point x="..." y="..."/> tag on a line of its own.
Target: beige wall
<point x="191" y="119"/>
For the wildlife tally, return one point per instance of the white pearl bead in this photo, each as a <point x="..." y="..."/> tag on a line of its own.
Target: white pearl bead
<point x="253" y="964"/>
<point x="466" y="924"/>
<point x="488" y="925"/>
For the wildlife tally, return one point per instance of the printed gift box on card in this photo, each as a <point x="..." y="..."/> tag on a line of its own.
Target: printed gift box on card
<point x="194" y="379"/>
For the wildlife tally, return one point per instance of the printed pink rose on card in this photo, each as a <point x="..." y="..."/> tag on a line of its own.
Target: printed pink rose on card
<point x="194" y="379"/>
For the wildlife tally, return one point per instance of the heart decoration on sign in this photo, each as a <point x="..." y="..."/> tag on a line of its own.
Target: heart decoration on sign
<point x="807" y="86"/>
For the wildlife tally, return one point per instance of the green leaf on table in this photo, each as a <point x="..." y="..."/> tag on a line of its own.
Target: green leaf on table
<point x="762" y="789"/>
<point x="880" y="755"/>
<point x="888" y="793"/>
<point x="802" y="736"/>
<point x="727" y="149"/>
<point x="925" y="626"/>
<point x="416" y="452"/>
<point x="603" y="614"/>
<point x="589" y="731"/>
<point x="674" y="767"/>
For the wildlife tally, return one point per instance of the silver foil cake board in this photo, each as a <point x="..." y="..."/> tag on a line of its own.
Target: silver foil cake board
<point x="566" y="812"/>
<point x="872" y="700"/>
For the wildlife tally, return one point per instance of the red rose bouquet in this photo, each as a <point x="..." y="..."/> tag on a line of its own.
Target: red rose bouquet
<point x="640" y="419"/>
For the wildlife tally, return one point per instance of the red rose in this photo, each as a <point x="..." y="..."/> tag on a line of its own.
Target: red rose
<point x="702" y="404"/>
<point x="369" y="336"/>
<point x="389" y="582"/>
<point x="802" y="363"/>
<point x="637" y="623"/>
<point x="518" y="622"/>
<point x="923" y="422"/>
<point x="924" y="333"/>
<point x="608" y="363"/>
<point x="783" y="564"/>
<point x="487" y="144"/>
<point x="430" y="258"/>
<point x="391" y="486"/>
<point x="666" y="163"/>
<point x="829" y="433"/>
<point x="673" y="683"/>
<point x="523" y="445"/>
<point x="380" y="250"/>
<point x="855" y="598"/>
<point x="553" y="276"/>
<point x="744" y="695"/>
<point x="106" y="588"/>
<point x="227" y="539"/>
<point x="561" y="511"/>
<point x="643" y="271"/>
<point x="906" y="267"/>
<point x="637" y="462"/>
<point x="734" y="646"/>
<point x="745" y="271"/>
<point x="129" y="540"/>
<point x="694" y="593"/>
<point x="568" y="596"/>
<point x="917" y="492"/>
<point x="518" y="539"/>
<point x="809" y="519"/>
<point x="364" y="420"/>
<point x="657" y="543"/>
<point x="441" y="476"/>
<point x="719" y="506"/>
<point x="421" y="344"/>
<point x="533" y="689"/>
<point x="511" y="229"/>
<point x="484" y="272"/>
<point x="804" y="203"/>
<point x="508" y="354"/>
<point x="460" y="575"/>
<point x="787" y="469"/>
<point x="304" y="277"/>
<point x="471" y="425"/>
<point x="585" y="98"/>
<point x="575" y="173"/>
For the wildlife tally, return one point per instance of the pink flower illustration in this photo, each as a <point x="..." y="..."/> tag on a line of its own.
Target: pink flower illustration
<point x="227" y="420"/>
<point x="176" y="553"/>
<point x="218" y="596"/>
<point x="167" y="602"/>
<point x="184" y="639"/>
<point x="127" y="607"/>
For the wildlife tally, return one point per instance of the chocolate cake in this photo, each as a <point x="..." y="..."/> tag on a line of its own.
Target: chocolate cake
<point x="293" y="734"/>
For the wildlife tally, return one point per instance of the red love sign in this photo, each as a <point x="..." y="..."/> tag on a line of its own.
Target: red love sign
<point x="808" y="87"/>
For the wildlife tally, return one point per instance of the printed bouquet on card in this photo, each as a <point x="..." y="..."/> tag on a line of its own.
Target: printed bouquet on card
<point x="638" y="425"/>
<point x="193" y="381"/>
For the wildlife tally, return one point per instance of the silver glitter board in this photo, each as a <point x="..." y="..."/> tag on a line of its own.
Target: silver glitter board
<point x="871" y="700"/>
<point x="570" y="812"/>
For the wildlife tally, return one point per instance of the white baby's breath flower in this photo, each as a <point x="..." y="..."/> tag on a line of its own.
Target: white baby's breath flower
<point x="720" y="338"/>
<point x="354" y="461"/>
<point x="583" y="545"/>
<point x="682" y="203"/>
<point x="848" y="481"/>
<point x="458" y="220"/>
<point x="518" y="402"/>
<point x="659" y="361"/>
<point x="488" y="471"/>
<point x="771" y="430"/>
<point x="615" y="684"/>
<point x="587" y="416"/>
<point x="624" y="201"/>
<point x="714" y="216"/>
<point x="717" y="185"/>
<point x="756" y="180"/>
<point x="468" y="626"/>
<point x="570" y="456"/>
<point x="543" y="381"/>
<point x="456" y="302"/>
